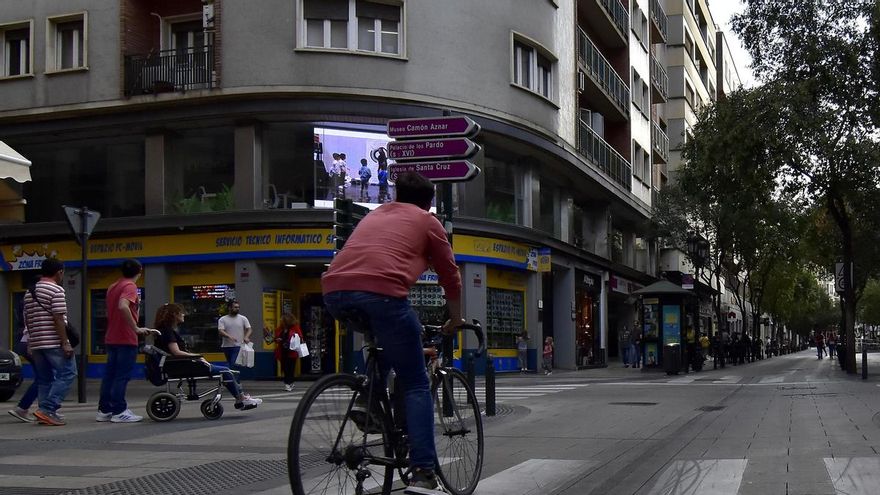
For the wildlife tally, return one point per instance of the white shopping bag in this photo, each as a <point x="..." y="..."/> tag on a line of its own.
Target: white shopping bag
<point x="294" y="342"/>
<point x="246" y="355"/>
<point x="303" y="350"/>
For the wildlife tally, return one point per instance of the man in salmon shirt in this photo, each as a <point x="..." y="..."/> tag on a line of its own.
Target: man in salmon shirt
<point x="121" y="343"/>
<point x="384" y="257"/>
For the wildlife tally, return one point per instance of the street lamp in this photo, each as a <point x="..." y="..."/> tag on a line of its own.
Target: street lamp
<point x="698" y="252"/>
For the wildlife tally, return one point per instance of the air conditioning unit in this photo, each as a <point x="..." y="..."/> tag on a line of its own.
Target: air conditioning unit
<point x="582" y="81"/>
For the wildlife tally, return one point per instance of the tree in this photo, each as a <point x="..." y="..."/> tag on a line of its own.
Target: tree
<point x="869" y="307"/>
<point x="818" y="57"/>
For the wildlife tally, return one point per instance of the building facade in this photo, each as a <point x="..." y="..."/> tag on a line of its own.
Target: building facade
<point x="209" y="135"/>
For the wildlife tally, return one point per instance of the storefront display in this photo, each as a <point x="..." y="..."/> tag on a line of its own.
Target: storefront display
<point x="204" y="305"/>
<point x="99" y="317"/>
<point x="651" y="331"/>
<point x="588" y="341"/>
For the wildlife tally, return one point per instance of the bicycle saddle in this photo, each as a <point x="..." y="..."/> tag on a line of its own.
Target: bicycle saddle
<point x="355" y="320"/>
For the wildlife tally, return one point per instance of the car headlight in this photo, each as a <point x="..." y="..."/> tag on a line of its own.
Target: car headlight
<point x="16" y="359"/>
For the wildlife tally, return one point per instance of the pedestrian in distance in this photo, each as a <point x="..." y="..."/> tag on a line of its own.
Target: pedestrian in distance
<point x="636" y="349"/>
<point x="704" y="347"/>
<point x="820" y="344"/>
<point x="364" y="174"/>
<point x="235" y="330"/>
<point x="284" y="354"/>
<point x="121" y="343"/>
<point x="382" y="175"/>
<point x="168" y="319"/>
<point x="548" y="356"/>
<point x="45" y="312"/>
<point x="832" y="345"/>
<point x="21" y="411"/>
<point x="522" y="351"/>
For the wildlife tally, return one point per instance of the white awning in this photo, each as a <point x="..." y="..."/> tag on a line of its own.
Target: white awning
<point x="13" y="165"/>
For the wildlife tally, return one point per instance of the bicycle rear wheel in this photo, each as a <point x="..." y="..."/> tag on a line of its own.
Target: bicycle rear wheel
<point x="458" y="432"/>
<point x="326" y="452"/>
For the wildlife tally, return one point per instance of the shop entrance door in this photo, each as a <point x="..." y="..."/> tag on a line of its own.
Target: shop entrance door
<point x="319" y="330"/>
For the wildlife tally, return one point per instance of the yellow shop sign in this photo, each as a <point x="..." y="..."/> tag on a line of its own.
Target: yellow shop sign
<point x="494" y="251"/>
<point x="214" y="246"/>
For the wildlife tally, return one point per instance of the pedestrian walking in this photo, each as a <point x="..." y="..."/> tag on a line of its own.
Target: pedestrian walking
<point x="121" y="343"/>
<point x="235" y="329"/>
<point x="45" y="311"/>
<point x="522" y="350"/>
<point x="746" y="348"/>
<point x="22" y="410"/>
<point x="832" y="345"/>
<point x="364" y="174"/>
<point x="636" y="349"/>
<point x="704" y="346"/>
<point x="548" y="356"/>
<point x="284" y="353"/>
<point x="717" y="351"/>
<point x="820" y="344"/>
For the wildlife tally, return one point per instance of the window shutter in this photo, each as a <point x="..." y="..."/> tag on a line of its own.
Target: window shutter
<point x="334" y="10"/>
<point x="375" y="10"/>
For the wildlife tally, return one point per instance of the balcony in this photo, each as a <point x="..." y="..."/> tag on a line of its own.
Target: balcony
<point x="659" y="82"/>
<point x="608" y="18"/>
<point x="659" y="23"/>
<point x="659" y="144"/>
<point x="604" y="89"/>
<point x="606" y="158"/>
<point x="170" y="71"/>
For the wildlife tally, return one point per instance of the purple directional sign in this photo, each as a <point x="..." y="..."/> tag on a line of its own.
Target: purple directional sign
<point x="454" y="171"/>
<point x="432" y="149"/>
<point x="432" y="127"/>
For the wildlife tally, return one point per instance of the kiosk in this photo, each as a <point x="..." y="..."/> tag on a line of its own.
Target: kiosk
<point x="660" y="320"/>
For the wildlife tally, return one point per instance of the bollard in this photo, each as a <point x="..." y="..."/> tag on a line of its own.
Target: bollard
<point x="864" y="361"/>
<point x="490" y="386"/>
<point x="471" y="373"/>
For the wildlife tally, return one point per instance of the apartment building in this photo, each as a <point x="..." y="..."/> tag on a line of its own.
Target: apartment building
<point x="205" y="133"/>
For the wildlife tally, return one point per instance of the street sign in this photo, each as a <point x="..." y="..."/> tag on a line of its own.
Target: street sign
<point x="432" y="149"/>
<point x="82" y="221"/>
<point x="454" y="171"/>
<point x="432" y="127"/>
<point x="840" y="277"/>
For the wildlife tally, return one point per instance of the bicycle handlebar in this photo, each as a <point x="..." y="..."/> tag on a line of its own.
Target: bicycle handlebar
<point x="432" y="331"/>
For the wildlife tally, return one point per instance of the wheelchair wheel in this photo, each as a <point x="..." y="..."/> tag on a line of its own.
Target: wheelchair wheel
<point x="163" y="406"/>
<point x="211" y="410"/>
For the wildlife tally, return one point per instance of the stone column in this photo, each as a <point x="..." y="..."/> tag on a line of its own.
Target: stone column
<point x="248" y="190"/>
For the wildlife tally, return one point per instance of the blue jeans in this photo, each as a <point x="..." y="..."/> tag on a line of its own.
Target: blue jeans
<point x="399" y="333"/>
<point x="228" y="378"/>
<point x="120" y="362"/>
<point x="231" y="354"/>
<point x="30" y="395"/>
<point x="54" y="375"/>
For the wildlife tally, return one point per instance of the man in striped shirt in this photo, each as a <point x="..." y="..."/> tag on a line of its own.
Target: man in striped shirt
<point x="45" y="311"/>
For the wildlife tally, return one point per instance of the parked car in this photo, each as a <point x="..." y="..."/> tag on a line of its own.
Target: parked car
<point x="10" y="374"/>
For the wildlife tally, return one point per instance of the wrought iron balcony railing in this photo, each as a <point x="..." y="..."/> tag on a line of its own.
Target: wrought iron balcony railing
<point x="660" y="142"/>
<point x="658" y="16"/>
<point x="598" y="68"/>
<point x="659" y="78"/>
<point x="619" y="14"/>
<point x="170" y="71"/>
<point x="606" y="158"/>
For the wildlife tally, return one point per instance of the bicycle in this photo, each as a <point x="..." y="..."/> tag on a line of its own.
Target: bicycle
<point x="329" y="452"/>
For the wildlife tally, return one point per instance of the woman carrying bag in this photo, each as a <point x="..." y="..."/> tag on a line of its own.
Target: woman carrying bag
<point x="288" y="331"/>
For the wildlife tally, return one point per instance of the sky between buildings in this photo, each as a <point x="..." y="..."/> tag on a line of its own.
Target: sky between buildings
<point x="722" y="12"/>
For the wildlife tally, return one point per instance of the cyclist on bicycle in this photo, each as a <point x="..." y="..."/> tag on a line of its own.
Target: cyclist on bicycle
<point x="384" y="257"/>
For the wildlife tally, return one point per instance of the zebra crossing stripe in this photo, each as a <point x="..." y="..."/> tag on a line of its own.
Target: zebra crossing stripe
<point x="532" y="477"/>
<point x="698" y="477"/>
<point x="854" y="475"/>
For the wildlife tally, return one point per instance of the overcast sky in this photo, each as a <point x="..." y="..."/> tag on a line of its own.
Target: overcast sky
<point x="722" y="12"/>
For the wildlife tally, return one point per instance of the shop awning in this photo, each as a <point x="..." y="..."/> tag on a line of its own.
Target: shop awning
<point x="661" y="288"/>
<point x="13" y="165"/>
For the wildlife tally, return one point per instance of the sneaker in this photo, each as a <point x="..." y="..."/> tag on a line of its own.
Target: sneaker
<point x="358" y="414"/>
<point x="247" y="403"/>
<point x="21" y="415"/>
<point x="102" y="417"/>
<point x="288" y="387"/>
<point x="58" y="413"/>
<point x="425" y="479"/>
<point x="49" y="419"/>
<point x="126" y="417"/>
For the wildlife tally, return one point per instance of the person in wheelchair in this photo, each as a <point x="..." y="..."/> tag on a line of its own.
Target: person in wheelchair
<point x="168" y="319"/>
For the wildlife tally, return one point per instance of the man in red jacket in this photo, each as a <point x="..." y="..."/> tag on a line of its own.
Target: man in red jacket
<point x="384" y="257"/>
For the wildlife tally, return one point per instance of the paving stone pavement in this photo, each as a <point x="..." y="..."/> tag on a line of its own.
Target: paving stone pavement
<point x="789" y="425"/>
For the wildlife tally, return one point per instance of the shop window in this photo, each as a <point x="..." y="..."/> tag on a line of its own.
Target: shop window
<point x="107" y="175"/>
<point x="505" y="311"/>
<point x="353" y="25"/>
<point x="338" y="155"/>
<point x="428" y="302"/>
<point x="548" y="209"/>
<point x="588" y="352"/>
<point x="502" y="199"/>
<point x="200" y="167"/>
<point x="67" y="42"/>
<point x="16" y="41"/>
<point x="616" y="246"/>
<point x="99" y="318"/>
<point x="579" y="234"/>
<point x="204" y="305"/>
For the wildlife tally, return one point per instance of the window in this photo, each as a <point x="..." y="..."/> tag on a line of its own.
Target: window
<point x="637" y="165"/>
<point x="637" y="96"/>
<point x="532" y="69"/>
<point x="355" y="25"/>
<point x="16" y="54"/>
<point x="67" y="42"/>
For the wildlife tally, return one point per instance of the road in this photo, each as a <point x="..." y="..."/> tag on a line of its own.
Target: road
<point x="788" y="425"/>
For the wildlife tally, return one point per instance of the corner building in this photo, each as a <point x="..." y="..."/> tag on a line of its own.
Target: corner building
<point x="204" y="132"/>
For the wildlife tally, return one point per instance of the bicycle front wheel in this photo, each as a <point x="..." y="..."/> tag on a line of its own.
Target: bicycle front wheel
<point x="458" y="432"/>
<point x="326" y="451"/>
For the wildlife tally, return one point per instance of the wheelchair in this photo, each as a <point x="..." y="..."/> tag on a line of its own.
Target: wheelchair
<point x="181" y="376"/>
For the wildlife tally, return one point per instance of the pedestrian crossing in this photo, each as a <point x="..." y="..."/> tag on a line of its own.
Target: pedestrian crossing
<point x="503" y="393"/>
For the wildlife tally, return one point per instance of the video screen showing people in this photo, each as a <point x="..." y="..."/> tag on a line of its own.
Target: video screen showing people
<point x="352" y="165"/>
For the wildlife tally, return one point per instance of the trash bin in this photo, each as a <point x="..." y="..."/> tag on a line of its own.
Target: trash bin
<point x="672" y="358"/>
